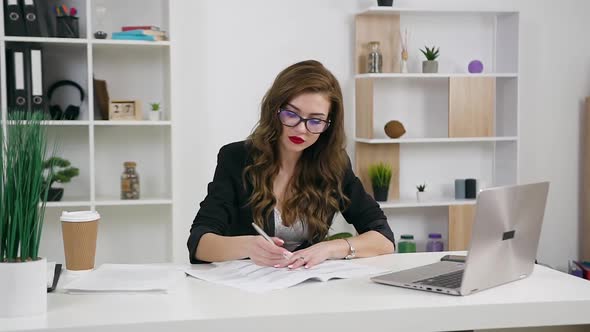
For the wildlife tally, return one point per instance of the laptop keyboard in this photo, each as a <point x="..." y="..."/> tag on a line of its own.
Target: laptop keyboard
<point x="448" y="280"/>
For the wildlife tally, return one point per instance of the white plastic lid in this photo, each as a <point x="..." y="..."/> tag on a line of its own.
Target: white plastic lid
<point x="79" y="216"/>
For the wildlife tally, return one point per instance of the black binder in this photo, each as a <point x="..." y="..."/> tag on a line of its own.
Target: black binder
<point x="17" y="77"/>
<point x="36" y="96"/>
<point x="31" y="17"/>
<point x="14" y="24"/>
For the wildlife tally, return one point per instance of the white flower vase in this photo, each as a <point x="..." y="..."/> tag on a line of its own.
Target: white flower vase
<point x="420" y="196"/>
<point x="154" y="115"/>
<point x="24" y="289"/>
<point x="404" y="66"/>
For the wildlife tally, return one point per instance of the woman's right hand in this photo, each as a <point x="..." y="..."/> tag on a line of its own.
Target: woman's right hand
<point x="263" y="253"/>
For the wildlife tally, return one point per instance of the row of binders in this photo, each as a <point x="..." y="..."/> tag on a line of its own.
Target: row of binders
<point x="27" y="18"/>
<point x="24" y="77"/>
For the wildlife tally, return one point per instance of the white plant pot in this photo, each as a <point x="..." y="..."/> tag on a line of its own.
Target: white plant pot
<point x="155" y="115"/>
<point x="24" y="289"/>
<point x="420" y="196"/>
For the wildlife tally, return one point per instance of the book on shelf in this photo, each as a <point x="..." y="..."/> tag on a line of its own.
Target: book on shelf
<point x="124" y="36"/>
<point x="140" y="27"/>
<point x="142" y="32"/>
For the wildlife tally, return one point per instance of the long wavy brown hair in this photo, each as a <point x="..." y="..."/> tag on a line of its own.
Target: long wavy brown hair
<point x="315" y="190"/>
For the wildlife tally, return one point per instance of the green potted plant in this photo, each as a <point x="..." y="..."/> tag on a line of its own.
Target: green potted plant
<point x="420" y="194"/>
<point x="57" y="170"/>
<point x="430" y="65"/>
<point x="23" y="274"/>
<point x="380" y="175"/>
<point x="155" y="109"/>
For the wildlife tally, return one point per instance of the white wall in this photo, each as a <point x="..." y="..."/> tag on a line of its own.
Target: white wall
<point x="226" y="54"/>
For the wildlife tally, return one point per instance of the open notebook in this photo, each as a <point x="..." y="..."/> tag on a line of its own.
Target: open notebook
<point x="246" y="275"/>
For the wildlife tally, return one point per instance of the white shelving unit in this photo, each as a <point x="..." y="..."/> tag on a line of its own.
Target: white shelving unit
<point x="427" y="152"/>
<point x="133" y="70"/>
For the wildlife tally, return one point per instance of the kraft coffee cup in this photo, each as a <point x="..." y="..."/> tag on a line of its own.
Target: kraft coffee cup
<point x="79" y="231"/>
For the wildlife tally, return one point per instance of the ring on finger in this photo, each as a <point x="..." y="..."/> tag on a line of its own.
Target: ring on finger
<point x="301" y="258"/>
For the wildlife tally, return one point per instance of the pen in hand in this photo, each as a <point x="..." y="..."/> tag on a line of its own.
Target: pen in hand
<point x="267" y="238"/>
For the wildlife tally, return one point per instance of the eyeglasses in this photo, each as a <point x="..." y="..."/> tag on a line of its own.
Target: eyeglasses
<point x="292" y="119"/>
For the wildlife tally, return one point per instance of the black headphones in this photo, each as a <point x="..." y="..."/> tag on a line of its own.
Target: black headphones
<point x="72" y="111"/>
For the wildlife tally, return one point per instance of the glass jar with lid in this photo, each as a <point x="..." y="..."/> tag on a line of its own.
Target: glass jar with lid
<point x="375" y="59"/>
<point x="435" y="242"/>
<point x="406" y="244"/>
<point x="129" y="181"/>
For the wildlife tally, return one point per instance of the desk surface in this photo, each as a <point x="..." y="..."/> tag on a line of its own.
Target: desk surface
<point x="547" y="297"/>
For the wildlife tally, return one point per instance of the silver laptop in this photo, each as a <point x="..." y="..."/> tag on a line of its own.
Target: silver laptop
<point x="503" y="246"/>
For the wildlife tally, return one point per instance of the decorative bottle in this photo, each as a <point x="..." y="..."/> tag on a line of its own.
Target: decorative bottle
<point x="129" y="181"/>
<point x="375" y="58"/>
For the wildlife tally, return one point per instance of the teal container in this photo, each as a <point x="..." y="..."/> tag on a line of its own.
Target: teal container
<point x="406" y="244"/>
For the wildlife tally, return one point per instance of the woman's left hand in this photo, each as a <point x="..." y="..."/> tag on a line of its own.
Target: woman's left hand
<point x="311" y="256"/>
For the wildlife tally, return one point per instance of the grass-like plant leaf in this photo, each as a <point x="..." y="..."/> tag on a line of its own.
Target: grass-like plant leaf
<point x="380" y="175"/>
<point x="23" y="149"/>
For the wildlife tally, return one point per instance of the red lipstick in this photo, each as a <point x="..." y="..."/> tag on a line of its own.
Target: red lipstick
<point x="296" y="139"/>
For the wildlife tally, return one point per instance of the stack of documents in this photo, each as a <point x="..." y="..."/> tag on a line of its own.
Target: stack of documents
<point x="246" y="275"/>
<point x="127" y="278"/>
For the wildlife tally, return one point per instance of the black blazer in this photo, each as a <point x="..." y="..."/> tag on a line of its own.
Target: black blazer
<point x="224" y="210"/>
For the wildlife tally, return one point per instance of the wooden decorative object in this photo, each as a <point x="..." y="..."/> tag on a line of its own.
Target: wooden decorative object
<point x="382" y="28"/>
<point x="471" y="106"/>
<point x="368" y="154"/>
<point x="585" y="224"/>
<point x="394" y="129"/>
<point x="125" y="110"/>
<point x="364" y="108"/>
<point x="461" y="219"/>
<point x="101" y="97"/>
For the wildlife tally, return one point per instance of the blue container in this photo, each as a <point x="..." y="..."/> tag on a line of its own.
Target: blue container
<point x="459" y="189"/>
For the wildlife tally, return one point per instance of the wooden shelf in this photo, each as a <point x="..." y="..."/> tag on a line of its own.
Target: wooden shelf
<point x="452" y="106"/>
<point x="61" y="123"/>
<point x="45" y="40"/>
<point x="117" y="42"/>
<point x="131" y="123"/>
<point x="132" y="202"/>
<point x="376" y="10"/>
<point x="67" y="204"/>
<point x="435" y="75"/>
<point x="436" y="140"/>
<point x="410" y="203"/>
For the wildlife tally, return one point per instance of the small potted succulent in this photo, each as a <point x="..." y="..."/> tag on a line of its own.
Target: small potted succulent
<point x="420" y="194"/>
<point x="155" y="111"/>
<point x="57" y="170"/>
<point x="380" y="175"/>
<point x="430" y="65"/>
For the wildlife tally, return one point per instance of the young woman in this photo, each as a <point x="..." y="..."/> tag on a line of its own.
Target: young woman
<point x="289" y="177"/>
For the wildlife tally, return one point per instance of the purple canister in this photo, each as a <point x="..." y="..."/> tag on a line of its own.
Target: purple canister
<point x="435" y="242"/>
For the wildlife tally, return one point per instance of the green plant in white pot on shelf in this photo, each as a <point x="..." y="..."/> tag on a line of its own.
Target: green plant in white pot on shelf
<point x="430" y="65"/>
<point x="155" y="109"/>
<point x="421" y="193"/>
<point x="23" y="274"/>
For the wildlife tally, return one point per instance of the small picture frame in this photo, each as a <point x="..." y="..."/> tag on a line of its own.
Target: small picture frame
<point x="125" y="110"/>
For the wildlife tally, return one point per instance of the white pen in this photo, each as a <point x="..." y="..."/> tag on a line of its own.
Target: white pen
<point x="267" y="238"/>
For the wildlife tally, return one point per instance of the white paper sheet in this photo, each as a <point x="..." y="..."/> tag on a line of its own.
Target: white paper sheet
<point x="246" y="275"/>
<point x="126" y="278"/>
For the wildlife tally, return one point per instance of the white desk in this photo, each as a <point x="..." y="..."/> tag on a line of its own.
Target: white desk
<point x="547" y="297"/>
